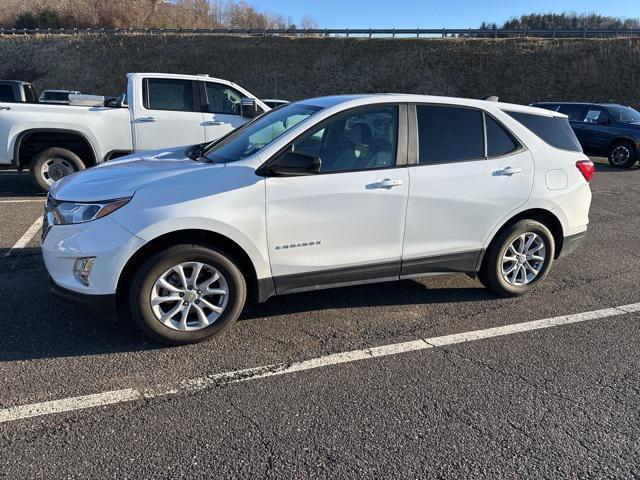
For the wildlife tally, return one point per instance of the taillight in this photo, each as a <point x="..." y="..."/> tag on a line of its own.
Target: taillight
<point x="586" y="169"/>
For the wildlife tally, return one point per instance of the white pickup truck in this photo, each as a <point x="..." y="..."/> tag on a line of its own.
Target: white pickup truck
<point x="162" y="110"/>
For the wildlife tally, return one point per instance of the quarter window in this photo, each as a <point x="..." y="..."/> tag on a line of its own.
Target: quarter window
<point x="555" y="131"/>
<point x="449" y="134"/>
<point x="360" y="140"/>
<point x="168" y="94"/>
<point x="222" y="99"/>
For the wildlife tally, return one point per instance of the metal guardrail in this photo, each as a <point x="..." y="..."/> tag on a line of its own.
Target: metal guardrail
<point x="346" y="32"/>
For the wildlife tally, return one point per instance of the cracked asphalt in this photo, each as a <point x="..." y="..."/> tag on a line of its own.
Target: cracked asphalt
<point x="563" y="402"/>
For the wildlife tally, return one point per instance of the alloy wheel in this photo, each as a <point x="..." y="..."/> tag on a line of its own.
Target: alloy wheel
<point x="620" y="155"/>
<point x="189" y="296"/>
<point x="523" y="259"/>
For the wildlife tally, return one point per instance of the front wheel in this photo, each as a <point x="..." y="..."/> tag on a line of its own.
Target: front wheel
<point x="622" y="155"/>
<point x="518" y="258"/>
<point x="186" y="294"/>
<point x="53" y="164"/>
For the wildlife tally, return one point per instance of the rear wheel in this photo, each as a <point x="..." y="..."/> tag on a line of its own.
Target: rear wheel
<point x="52" y="164"/>
<point x="186" y="294"/>
<point x="622" y="155"/>
<point x="518" y="258"/>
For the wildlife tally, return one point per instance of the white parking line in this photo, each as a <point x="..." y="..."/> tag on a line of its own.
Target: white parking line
<point x="23" y="200"/>
<point x="131" y="394"/>
<point x="24" y="240"/>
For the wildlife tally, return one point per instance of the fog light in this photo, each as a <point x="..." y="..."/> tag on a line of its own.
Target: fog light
<point x="82" y="269"/>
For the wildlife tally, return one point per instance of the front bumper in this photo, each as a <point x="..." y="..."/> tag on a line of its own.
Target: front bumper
<point x="110" y="244"/>
<point x="103" y="305"/>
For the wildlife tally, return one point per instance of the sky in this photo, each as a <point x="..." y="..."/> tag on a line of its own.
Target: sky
<point x="434" y="13"/>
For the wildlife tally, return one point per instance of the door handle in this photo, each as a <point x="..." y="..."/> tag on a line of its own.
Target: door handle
<point x="507" y="171"/>
<point x="5" y="108"/>
<point x="146" y="119"/>
<point x="386" y="183"/>
<point x="212" y="122"/>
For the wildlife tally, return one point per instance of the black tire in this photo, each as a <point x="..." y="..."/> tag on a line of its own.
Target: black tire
<point x="622" y="154"/>
<point x="144" y="279"/>
<point x="68" y="161"/>
<point x="491" y="272"/>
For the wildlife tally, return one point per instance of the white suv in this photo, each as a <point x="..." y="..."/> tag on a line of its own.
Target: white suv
<point x="320" y="193"/>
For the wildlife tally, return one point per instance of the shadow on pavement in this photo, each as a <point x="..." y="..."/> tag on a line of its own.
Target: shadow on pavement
<point x="18" y="184"/>
<point x="405" y="292"/>
<point x="606" y="168"/>
<point x="36" y="324"/>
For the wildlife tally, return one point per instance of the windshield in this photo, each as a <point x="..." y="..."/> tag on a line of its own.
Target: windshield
<point x="255" y="135"/>
<point x="624" y="114"/>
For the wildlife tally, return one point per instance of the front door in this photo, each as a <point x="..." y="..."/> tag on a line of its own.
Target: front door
<point x="460" y="191"/>
<point x="168" y="115"/>
<point x="344" y="224"/>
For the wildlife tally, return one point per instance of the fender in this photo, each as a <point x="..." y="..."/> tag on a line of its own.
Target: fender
<point x="21" y="136"/>
<point x="541" y="205"/>
<point x="258" y="258"/>
<point x="626" y="138"/>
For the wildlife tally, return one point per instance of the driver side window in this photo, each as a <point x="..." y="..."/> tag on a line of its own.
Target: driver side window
<point x="222" y="99"/>
<point x="359" y="140"/>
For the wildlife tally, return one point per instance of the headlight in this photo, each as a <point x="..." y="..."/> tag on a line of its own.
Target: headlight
<point x="65" y="213"/>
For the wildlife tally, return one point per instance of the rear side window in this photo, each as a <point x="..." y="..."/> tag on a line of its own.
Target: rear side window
<point x="168" y="94"/>
<point x="499" y="141"/>
<point x="6" y="93"/>
<point x="553" y="130"/>
<point x="449" y="134"/>
<point x="574" y="112"/>
<point x="546" y="106"/>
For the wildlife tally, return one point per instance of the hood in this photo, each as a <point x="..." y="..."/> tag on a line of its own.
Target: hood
<point x="122" y="177"/>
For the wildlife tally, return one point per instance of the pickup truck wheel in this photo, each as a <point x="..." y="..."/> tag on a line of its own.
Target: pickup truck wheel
<point x="52" y="164"/>
<point x="622" y="155"/>
<point x="518" y="258"/>
<point x="186" y="294"/>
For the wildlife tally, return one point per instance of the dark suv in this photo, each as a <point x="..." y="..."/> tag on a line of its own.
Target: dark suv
<point x="603" y="129"/>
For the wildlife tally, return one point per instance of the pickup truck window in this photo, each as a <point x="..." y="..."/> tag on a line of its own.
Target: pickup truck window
<point x="222" y="99"/>
<point x="6" y="93"/>
<point x="255" y="135"/>
<point x="168" y="94"/>
<point x="30" y="94"/>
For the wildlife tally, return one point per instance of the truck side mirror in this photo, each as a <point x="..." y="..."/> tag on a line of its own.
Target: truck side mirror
<point x="249" y="107"/>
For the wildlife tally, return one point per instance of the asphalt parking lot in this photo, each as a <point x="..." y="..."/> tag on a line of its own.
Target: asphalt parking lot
<point x="561" y="401"/>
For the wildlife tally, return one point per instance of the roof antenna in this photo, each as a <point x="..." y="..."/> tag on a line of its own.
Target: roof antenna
<point x="492" y="98"/>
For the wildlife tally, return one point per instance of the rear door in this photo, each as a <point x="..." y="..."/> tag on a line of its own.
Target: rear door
<point x="598" y="123"/>
<point x="222" y="109"/>
<point x="460" y="189"/>
<point x="168" y="114"/>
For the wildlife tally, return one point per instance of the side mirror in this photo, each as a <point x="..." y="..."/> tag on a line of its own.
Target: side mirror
<point x="249" y="107"/>
<point x="295" y="164"/>
<point x="602" y="121"/>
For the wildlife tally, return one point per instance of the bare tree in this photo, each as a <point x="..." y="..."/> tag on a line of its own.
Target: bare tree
<point x="151" y="13"/>
<point x="308" y="22"/>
